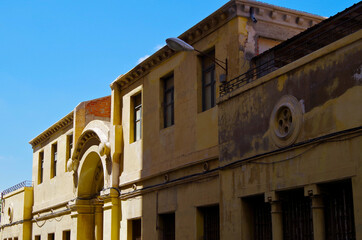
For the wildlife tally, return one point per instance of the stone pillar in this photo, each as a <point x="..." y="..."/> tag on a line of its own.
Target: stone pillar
<point x="98" y="221"/>
<point x="317" y="210"/>
<point x="110" y="214"/>
<point x="83" y="219"/>
<point x="276" y="214"/>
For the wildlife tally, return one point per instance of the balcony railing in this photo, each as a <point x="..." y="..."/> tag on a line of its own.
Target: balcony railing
<point x="16" y="187"/>
<point x="314" y="38"/>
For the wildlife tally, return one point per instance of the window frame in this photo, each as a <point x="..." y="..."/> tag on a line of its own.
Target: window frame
<point x="135" y="120"/>
<point x="69" y="147"/>
<point x="205" y="69"/>
<point x="168" y="90"/>
<point x="41" y="167"/>
<point x="54" y="160"/>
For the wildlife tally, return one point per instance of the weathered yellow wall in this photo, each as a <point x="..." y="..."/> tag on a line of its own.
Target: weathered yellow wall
<point x="60" y="188"/>
<point x="327" y="84"/>
<point x="20" y="203"/>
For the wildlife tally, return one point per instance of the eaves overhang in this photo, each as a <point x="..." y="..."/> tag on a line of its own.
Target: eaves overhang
<point x="62" y="123"/>
<point x="235" y="8"/>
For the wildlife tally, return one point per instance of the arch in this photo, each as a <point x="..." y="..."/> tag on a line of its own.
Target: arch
<point x="91" y="174"/>
<point x="92" y="179"/>
<point x="95" y="133"/>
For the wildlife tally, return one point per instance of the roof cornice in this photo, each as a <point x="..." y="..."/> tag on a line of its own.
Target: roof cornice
<point x="263" y="12"/>
<point x="62" y="123"/>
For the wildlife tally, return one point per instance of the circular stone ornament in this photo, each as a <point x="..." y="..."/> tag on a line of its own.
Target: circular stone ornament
<point x="286" y="121"/>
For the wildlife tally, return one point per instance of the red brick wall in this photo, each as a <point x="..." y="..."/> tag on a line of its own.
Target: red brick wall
<point x="100" y="107"/>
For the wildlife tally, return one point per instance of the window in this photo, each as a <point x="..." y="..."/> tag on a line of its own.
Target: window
<point x="40" y="167"/>
<point x="66" y="235"/>
<point x="37" y="237"/>
<point x="137" y="117"/>
<point x="297" y="215"/>
<point x="54" y="160"/>
<point x="258" y="212"/>
<point x="210" y="222"/>
<point x="168" y="101"/>
<point x="51" y="236"/>
<point x="167" y="226"/>
<point x="208" y="80"/>
<point x="338" y="211"/>
<point x="69" y="146"/>
<point x="135" y="229"/>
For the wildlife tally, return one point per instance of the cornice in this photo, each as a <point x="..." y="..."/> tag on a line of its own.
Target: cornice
<point x="62" y="123"/>
<point x="263" y="13"/>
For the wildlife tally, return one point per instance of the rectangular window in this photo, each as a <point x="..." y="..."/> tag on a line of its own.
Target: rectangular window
<point x="51" y="236"/>
<point x="338" y="211"/>
<point x="211" y="222"/>
<point x="167" y="226"/>
<point x="135" y="229"/>
<point x="168" y="101"/>
<point x="297" y="215"/>
<point x="37" y="237"/>
<point x="137" y="117"/>
<point x="66" y="235"/>
<point x="54" y="160"/>
<point x="40" y="167"/>
<point x="208" y="80"/>
<point x="69" y="146"/>
<point x="258" y="214"/>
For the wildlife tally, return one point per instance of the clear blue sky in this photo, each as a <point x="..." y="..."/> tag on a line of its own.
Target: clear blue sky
<point x="57" y="53"/>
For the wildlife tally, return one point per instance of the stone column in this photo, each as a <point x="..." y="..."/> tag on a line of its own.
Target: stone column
<point x="83" y="219"/>
<point x="98" y="221"/>
<point x="317" y="210"/>
<point x="110" y="214"/>
<point x="276" y="214"/>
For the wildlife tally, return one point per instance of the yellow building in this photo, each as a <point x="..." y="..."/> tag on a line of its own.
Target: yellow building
<point x="163" y="157"/>
<point x="290" y="138"/>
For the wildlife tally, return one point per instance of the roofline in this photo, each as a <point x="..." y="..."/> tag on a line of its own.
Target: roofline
<point x="234" y="8"/>
<point x="62" y="123"/>
<point x="310" y="30"/>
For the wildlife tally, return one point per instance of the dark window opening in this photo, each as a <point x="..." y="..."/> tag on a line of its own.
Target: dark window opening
<point x="168" y="101"/>
<point x="66" y="235"/>
<point x="51" y="236"/>
<point x="211" y="222"/>
<point x="137" y="117"/>
<point x="167" y="226"/>
<point x="70" y="146"/>
<point x="55" y="159"/>
<point x="208" y="81"/>
<point x="297" y="215"/>
<point x="41" y="167"/>
<point x="136" y="229"/>
<point x="338" y="210"/>
<point x="260" y="216"/>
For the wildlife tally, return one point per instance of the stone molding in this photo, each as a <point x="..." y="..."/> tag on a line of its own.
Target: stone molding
<point x="235" y="8"/>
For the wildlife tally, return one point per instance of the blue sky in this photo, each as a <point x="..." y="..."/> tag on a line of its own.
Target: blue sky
<point x="57" y="53"/>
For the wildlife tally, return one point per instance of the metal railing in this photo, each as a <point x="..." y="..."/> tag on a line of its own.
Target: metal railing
<point x="16" y="187"/>
<point x="296" y="48"/>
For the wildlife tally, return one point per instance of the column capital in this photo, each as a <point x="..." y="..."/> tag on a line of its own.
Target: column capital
<point x="312" y="190"/>
<point x="271" y="197"/>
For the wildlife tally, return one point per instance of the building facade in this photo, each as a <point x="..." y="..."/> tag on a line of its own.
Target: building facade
<point x="189" y="145"/>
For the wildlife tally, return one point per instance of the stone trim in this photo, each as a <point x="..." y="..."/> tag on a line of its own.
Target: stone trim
<point x="234" y="8"/>
<point x="62" y="123"/>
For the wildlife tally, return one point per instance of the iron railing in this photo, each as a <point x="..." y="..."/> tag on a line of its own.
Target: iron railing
<point x="16" y="187"/>
<point x="321" y="35"/>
